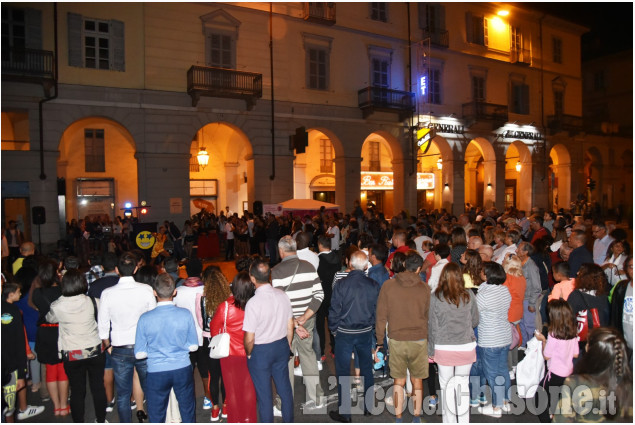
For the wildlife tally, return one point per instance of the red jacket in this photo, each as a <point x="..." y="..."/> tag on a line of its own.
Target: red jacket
<point x="235" y="318"/>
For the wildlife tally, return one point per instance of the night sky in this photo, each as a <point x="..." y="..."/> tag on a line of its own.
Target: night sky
<point x="610" y="24"/>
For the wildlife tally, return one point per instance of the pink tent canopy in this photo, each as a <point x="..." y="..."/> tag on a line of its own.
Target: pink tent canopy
<point x="301" y="207"/>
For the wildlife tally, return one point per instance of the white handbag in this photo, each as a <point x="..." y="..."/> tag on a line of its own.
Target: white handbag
<point x="219" y="345"/>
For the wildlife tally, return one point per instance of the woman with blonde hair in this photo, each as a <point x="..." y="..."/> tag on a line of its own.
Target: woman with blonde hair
<point x="215" y="291"/>
<point x="516" y="284"/>
<point x="451" y="340"/>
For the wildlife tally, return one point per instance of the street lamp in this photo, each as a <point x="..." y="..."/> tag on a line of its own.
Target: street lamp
<point x="202" y="157"/>
<point x="439" y="164"/>
<point x="518" y="166"/>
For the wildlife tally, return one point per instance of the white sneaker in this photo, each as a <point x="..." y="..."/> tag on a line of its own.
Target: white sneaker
<point x="29" y="412"/>
<point x="276" y="412"/>
<point x="507" y="407"/>
<point x="319" y="364"/>
<point x="490" y="410"/>
<point x="297" y="371"/>
<point x="389" y="401"/>
<point x="310" y="405"/>
<point x="512" y="375"/>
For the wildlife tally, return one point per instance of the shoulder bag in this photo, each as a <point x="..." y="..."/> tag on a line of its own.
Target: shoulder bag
<point x="219" y="345"/>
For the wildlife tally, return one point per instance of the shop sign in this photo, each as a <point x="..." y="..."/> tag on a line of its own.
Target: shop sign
<point x="324" y="181"/>
<point x="384" y="181"/>
<point x="446" y="128"/>
<point x="527" y="135"/>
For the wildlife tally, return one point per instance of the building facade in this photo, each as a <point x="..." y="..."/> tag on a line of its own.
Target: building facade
<point x="104" y="104"/>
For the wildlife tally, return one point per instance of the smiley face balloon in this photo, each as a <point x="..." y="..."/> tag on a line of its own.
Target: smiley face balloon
<point x="145" y="240"/>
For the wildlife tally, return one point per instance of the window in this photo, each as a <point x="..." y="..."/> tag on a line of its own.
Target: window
<point x="95" y="43"/>
<point x="318" y="50"/>
<point x="478" y="88"/>
<point x="519" y="98"/>
<point x="326" y="156"/>
<point x="94" y="155"/>
<point x="431" y="17"/>
<point x="557" y="49"/>
<point x="434" y="86"/>
<point x="374" y="150"/>
<point x="558" y="103"/>
<point x="21" y="28"/>
<point x="318" y="78"/>
<point x="476" y="29"/>
<point x="221" y="51"/>
<point x="379" y="11"/>
<point x="517" y="40"/>
<point x="598" y="80"/>
<point x="381" y="73"/>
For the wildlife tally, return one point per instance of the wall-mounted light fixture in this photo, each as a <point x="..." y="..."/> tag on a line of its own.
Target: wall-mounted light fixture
<point x="447" y="186"/>
<point x="518" y="166"/>
<point x="489" y="184"/>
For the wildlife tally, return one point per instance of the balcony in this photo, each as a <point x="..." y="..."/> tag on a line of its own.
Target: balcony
<point x="438" y="38"/>
<point x="521" y="57"/>
<point x="29" y="65"/>
<point x="227" y="83"/>
<point x="562" y="122"/>
<point x="373" y="99"/>
<point x="481" y="111"/>
<point x="321" y="13"/>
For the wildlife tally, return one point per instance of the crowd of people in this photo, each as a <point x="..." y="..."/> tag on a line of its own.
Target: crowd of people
<point x="452" y="301"/>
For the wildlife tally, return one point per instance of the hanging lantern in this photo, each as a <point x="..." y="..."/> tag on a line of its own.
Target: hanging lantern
<point x="202" y="157"/>
<point x="439" y="164"/>
<point x="518" y="166"/>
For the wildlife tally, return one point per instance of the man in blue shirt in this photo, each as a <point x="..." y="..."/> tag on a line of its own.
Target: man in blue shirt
<point x="165" y="336"/>
<point x="377" y="257"/>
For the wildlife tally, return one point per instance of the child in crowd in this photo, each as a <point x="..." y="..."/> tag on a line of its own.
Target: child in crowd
<point x="559" y="349"/>
<point x="565" y="284"/>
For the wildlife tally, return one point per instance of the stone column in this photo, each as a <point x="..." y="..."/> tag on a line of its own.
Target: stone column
<point x="499" y="185"/>
<point x="347" y="181"/>
<point x="489" y="176"/>
<point x="404" y="187"/>
<point x="454" y="193"/>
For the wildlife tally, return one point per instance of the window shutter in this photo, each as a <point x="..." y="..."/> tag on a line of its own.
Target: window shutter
<point x="469" y="31"/>
<point x="484" y="31"/>
<point x="33" y="24"/>
<point x="525" y="99"/>
<point x="118" y="45"/>
<point x="441" y="17"/>
<point x="423" y="15"/>
<point x="75" y="56"/>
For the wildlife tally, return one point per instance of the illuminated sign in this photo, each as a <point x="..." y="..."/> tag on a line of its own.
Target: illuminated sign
<point x="527" y="135"/>
<point x="384" y="181"/>
<point x="424" y="139"/>
<point x="423" y="83"/>
<point x="447" y="128"/>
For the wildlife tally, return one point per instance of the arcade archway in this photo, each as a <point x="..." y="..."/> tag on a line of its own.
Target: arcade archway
<point x="559" y="178"/>
<point x="480" y="173"/>
<point x="518" y="176"/>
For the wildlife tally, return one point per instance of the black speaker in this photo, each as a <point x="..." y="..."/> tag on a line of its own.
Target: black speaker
<point x="39" y="215"/>
<point x="257" y="207"/>
<point x="61" y="187"/>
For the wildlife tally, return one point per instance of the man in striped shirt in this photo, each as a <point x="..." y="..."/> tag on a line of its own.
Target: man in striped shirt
<point x="300" y="281"/>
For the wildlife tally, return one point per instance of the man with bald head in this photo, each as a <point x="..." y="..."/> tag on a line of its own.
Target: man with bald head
<point x="486" y="252"/>
<point x="26" y="249"/>
<point x="475" y="242"/>
<point x="399" y="242"/>
<point x="351" y="320"/>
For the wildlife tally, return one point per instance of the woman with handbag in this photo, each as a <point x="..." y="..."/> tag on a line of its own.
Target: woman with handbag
<point x="215" y="291"/>
<point x="47" y="336"/>
<point x="614" y="265"/>
<point x="589" y="301"/>
<point x="229" y="317"/>
<point x="79" y="344"/>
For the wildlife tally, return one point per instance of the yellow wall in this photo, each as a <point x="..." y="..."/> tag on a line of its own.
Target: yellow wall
<point x="15" y="131"/>
<point x="120" y="162"/>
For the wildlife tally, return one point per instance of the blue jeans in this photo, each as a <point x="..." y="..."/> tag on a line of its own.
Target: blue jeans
<point x="159" y="385"/>
<point x="477" y="378"/>
<point x="527" y="323"/>
<point x="271" y="361"/>
<point x="494" y="369"/>
<point x="123" y="365"/>
<point x="345" y="344"/>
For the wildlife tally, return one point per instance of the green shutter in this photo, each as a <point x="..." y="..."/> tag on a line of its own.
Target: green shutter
<point x="33" y="28"/>
<point x="75" y="55"/>
<point x="117" y="45"/>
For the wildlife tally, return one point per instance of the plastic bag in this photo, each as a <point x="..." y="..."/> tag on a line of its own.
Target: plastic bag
<point x="530" y="370"/>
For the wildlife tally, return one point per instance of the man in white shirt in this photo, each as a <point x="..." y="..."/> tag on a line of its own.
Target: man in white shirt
<point x="333" y="232"/>
<point x="601" y="243"/>
<point x="304" y="253"/>
<point x="120" y="308"/>
<point x="441" y="253"/>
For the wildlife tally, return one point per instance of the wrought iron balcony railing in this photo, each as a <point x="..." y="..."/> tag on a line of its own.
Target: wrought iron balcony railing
<point x="562" y="122"/>
<point x="320" y="12"/>
<point x="481" y="111"/>
<point x="32" y="64"/>
<point x="439" y="38"/>
<point x="220" y="82"/>
<point x="372" y="99"/>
